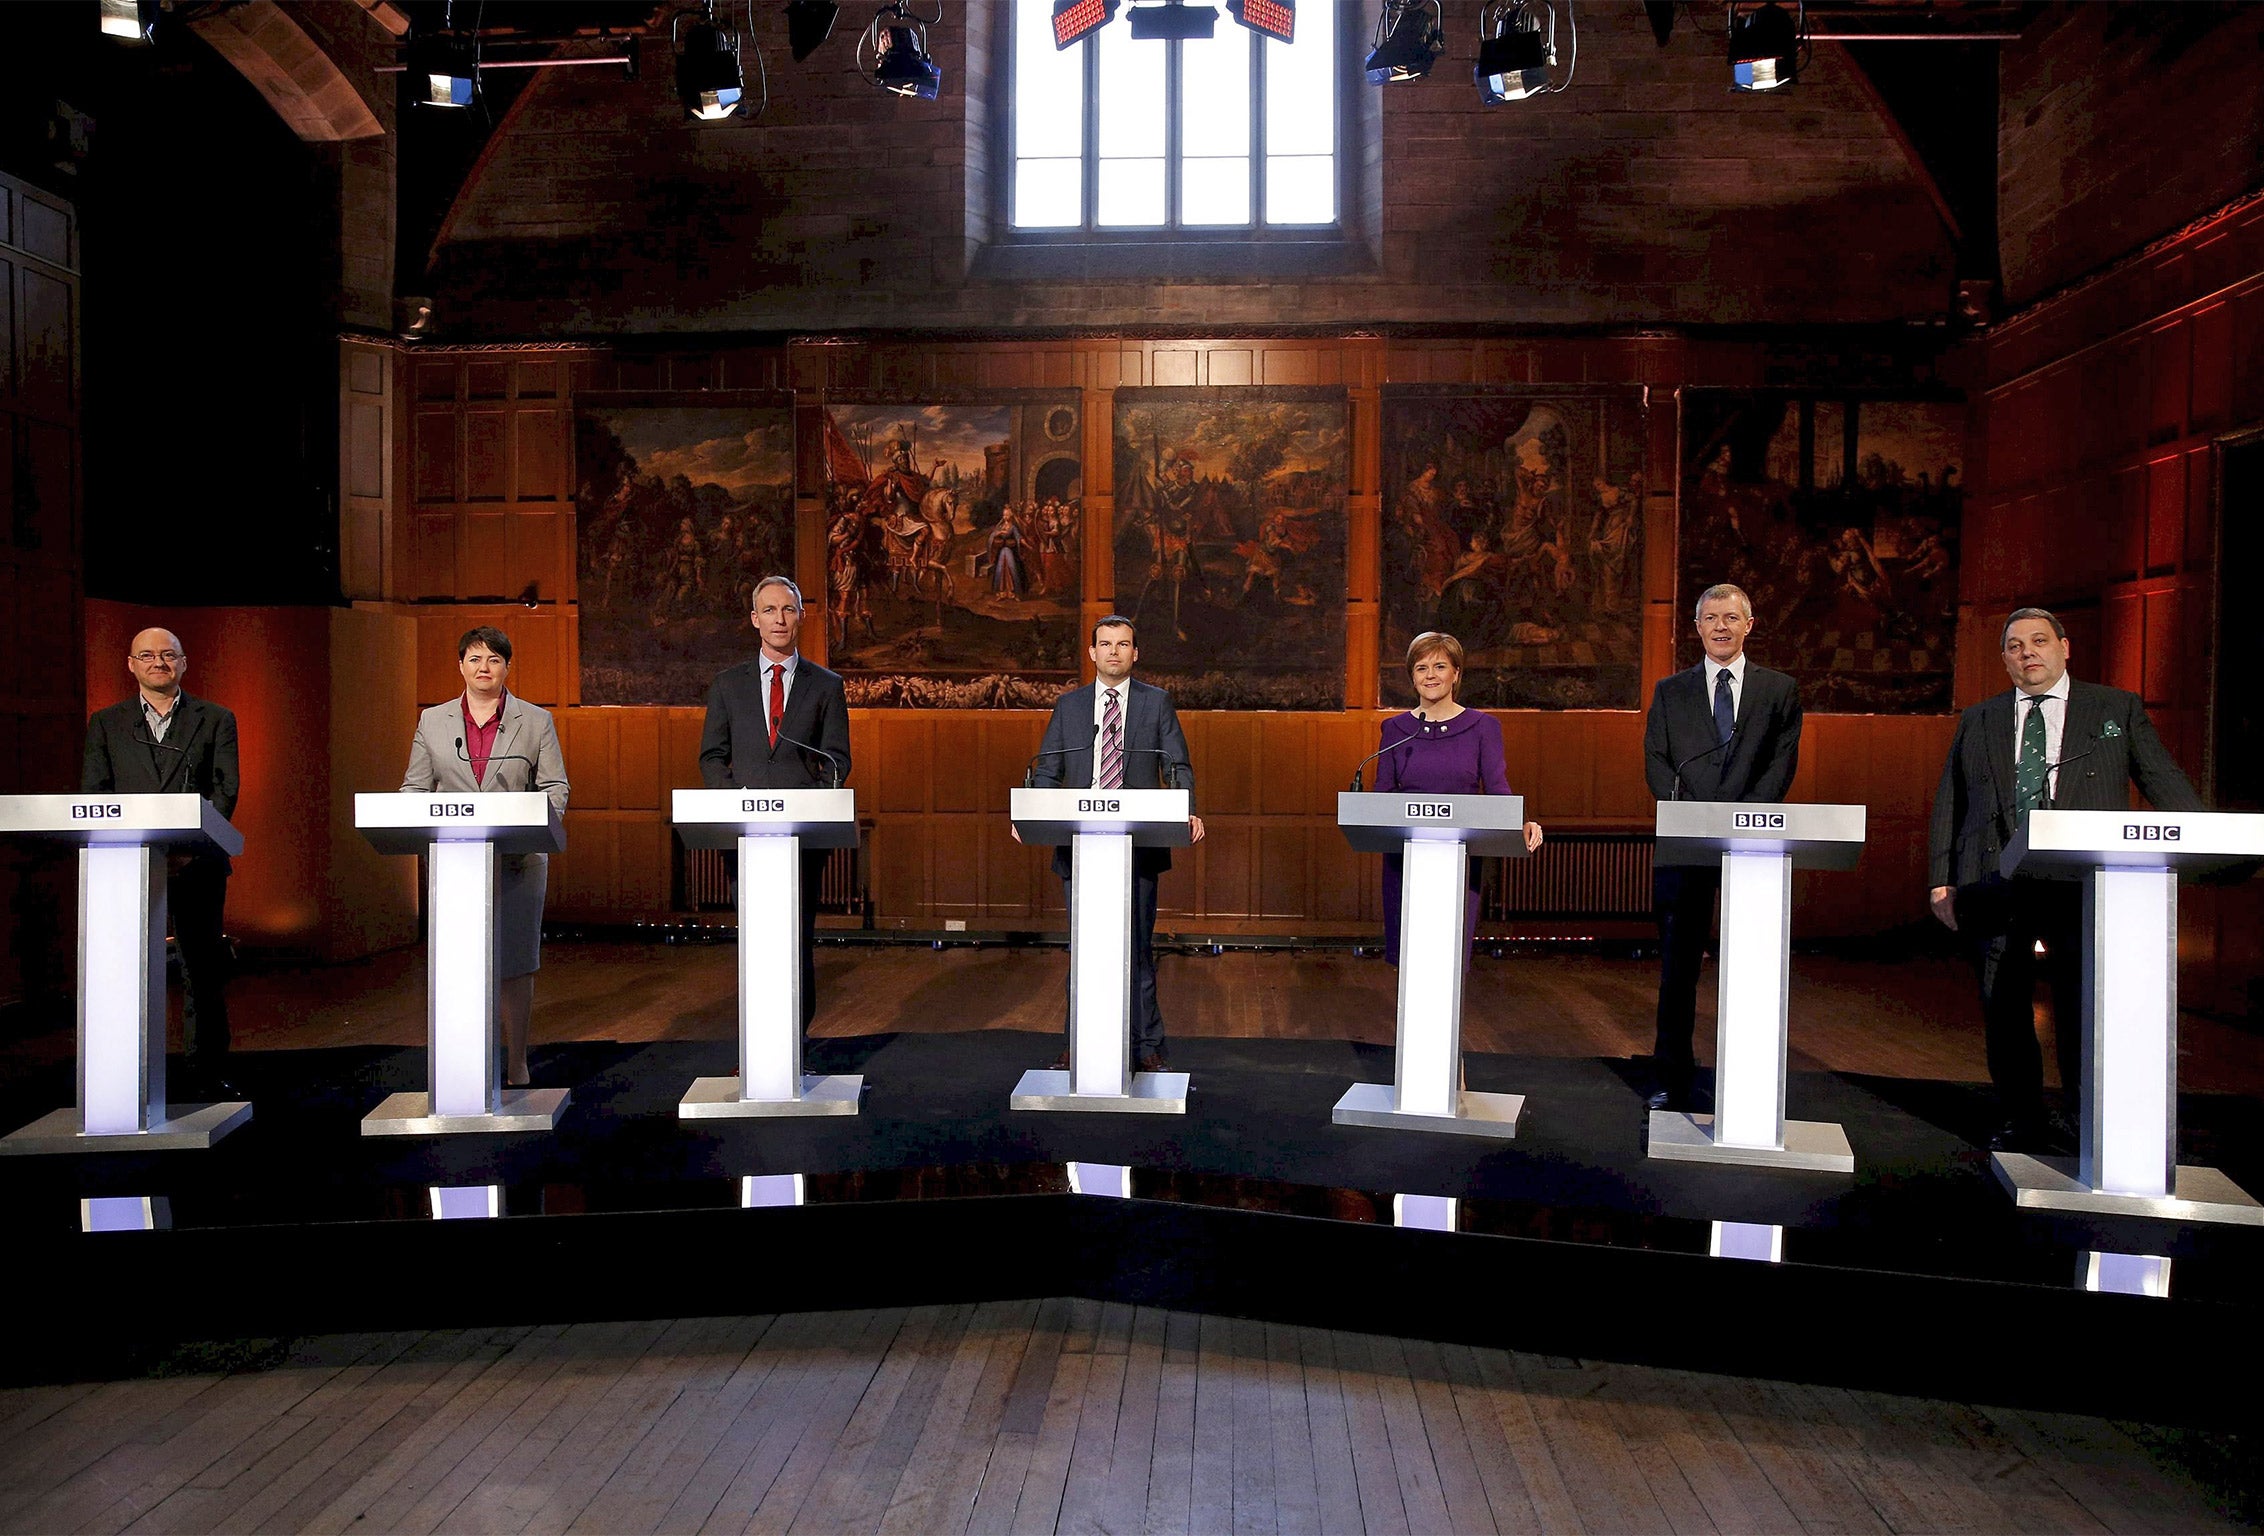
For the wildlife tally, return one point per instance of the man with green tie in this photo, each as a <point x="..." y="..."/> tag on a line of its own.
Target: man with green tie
<point x="2059" y="744"/>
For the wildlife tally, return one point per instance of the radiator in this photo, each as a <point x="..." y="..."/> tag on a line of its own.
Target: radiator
<point x="704" y="881"/>
<point x="1589" y="875"/>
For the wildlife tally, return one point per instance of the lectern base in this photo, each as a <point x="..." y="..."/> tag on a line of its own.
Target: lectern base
<point x="1491" y="1115"/>
<point x="186" y="1128"/>
<point x="717" y="1098"/>
<point x="2051" y="1184"/>
<point x="1813" y="1146"/>
<point x="1153" y="1093"/>
<point x="410" y="1114"/>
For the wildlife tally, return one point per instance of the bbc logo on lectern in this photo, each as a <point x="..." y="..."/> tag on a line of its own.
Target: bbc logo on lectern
<point x="2139" y="832"/>
<point x="762" y="807"/>
<point x="109" y="811"/>
<point x="1099" y="807"/>
<point x="1757" y="821"/>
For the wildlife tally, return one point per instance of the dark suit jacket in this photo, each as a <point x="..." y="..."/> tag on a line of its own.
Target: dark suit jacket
<point x="2107" y="745"/>
<point x="1152" y="738"/>
<point x="197" y="756"/>
<point x="1761" y="757"/>
<point x="735" y="749"/>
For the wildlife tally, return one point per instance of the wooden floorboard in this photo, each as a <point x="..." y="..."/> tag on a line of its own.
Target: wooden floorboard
<point x="1039" y="1417"/>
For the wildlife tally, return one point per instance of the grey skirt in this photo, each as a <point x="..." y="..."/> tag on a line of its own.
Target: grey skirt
<point x="520" y="884"/>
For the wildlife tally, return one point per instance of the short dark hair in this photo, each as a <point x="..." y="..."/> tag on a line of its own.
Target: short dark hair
<point x="488" y="635"/>
<point x="1114" y="621"/>
<point x="2059" y="630"/>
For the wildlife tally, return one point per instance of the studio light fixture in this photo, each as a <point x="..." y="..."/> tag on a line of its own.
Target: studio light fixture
<point x="1076" y="20"/>
<point x="808" y="23"/>
<point x="1517" y="49"/>
<point x="1174" y="22"/>
<point x="130" y="21"/>
<point x="444" y="66"/>
<point x="899" y="44"/>
<point x="1765" y="46"/>
<point x="1268" y="18"/>
<point x="708" y="79"/>
<point x="1410" y="34"/>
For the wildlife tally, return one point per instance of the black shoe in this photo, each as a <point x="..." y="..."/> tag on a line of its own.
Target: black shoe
<point x="2030" y="1136"/>
<point x="1150" y="1061"/>
<point x="1060" y="1063"/>
<point x="1669" y="1099"/>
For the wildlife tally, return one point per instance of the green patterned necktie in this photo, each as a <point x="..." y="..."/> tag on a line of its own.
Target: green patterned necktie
<point x="2028" y="781"/>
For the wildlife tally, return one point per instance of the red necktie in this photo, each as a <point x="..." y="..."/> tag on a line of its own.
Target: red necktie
<point x="777" y="702"/>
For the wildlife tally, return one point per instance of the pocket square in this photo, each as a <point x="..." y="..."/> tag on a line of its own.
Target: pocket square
<point x="2109" y="731"/>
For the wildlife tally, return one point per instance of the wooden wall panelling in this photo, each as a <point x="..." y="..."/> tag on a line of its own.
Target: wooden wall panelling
<point x="366" y="547"/>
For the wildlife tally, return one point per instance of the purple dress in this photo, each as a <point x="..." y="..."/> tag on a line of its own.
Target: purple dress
<point x="1464" y="756"/>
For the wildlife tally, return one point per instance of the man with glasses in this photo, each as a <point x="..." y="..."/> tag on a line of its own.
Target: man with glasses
<point x="164" y="741"/>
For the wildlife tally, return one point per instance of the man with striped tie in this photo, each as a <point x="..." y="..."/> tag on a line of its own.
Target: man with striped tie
<point x="1121" y="734"/>
<point x="2053" y="742"/>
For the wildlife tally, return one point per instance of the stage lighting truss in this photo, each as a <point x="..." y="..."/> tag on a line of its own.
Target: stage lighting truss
<point x="1410" y="34"/>
<point x="1276" y="19"/>
<point x="709" y="80"/>
<point x="130" y="21"/>
<point x="1076" y="20"/>
<point x="898" y="42"/>
<point x="445" y="65"/>
<point x="1768" y="46"/>
<point x="808" y="23"/>
<point x="1517" y="49"/>
<point x="1173" y="21"/>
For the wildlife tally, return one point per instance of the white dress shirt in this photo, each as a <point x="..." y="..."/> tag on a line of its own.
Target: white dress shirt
<point x="1736" y="671"/>
<point x="786" y="692"/>
<point x="1123" y="692"/>
<point x="2055" y="728"/>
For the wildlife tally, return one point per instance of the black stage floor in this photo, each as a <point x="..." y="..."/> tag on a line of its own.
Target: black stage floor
<point x="1916" y="1273"/>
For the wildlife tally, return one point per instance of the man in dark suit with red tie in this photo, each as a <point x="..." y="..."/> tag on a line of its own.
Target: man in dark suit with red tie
<point x="1726" y="729"/>
<point x="2053" y="743"/>
<point x="164" y="740"/>
<point x="780" y="721"/>
<point x="1121" y="734"/>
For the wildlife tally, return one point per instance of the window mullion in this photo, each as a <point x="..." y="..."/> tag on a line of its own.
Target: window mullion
<point x="1257" y="134"/>
<point x="1092" y="168"/>
<point x="1173" y="149"/>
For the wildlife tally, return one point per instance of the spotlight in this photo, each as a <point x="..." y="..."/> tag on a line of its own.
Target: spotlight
<point x="1764" y="47"/>
<point x="1268" y="18"/>
<point x="708" y="80"/>
<point x="1076" y="20"/>
<point x="130" y="21"/>
<point x="808" y="23"/>
<point x="1409" y="35"/>
<point x="1174" y="22"/>
<point x="445" y="68"/>
<point x="899" y="42"/>
<point x="1514" y="62"/>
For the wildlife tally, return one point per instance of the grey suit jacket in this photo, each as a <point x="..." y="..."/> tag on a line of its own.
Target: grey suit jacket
<point x="2107" y="746"/>
<point x="438" y="760"/>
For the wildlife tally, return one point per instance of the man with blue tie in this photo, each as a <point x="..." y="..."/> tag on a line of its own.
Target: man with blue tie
<point x="1725" y="729"/>
<point x="2048" y="741"/>
<point x="1121" y="734"/>
<point x="780" y="721"/>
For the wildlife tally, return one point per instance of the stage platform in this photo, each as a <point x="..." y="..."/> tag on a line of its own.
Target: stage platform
<point x="1914" y="1274"/>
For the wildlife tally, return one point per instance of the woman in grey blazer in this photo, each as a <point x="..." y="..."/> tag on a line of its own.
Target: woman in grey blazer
<point x="487" y="739"/>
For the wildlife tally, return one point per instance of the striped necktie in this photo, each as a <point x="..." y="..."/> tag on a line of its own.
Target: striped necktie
<point x="1111" y="774"/>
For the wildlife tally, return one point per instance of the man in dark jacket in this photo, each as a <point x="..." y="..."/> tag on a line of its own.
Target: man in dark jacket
<point x="2051" y="742"/>
<point x="780" y="721"/>
<point x="163" y="741"/>
<point x="1725" y="729"/>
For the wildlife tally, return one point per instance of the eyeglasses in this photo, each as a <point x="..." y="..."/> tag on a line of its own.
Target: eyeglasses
<point x="170" y="658"/>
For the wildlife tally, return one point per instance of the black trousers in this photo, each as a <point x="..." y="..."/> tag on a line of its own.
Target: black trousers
<point x="196" y="896"/>
<point x="1147" y="1013"/>
<point x="2003" y="922"/>
<point x="1683" y="902"/>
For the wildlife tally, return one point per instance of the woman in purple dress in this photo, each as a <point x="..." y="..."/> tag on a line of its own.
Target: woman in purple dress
<point x="1439" y="748"/>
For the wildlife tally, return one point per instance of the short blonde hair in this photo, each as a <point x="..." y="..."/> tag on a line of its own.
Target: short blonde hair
<point x="1433" y="642"/>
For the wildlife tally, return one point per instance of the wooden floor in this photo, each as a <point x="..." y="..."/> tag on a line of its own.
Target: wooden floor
<point x="1915" y="1018"/>
<point x="1035" y="1416"/>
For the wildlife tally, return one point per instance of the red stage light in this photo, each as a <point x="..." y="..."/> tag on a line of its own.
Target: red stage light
<point x="1076" y="20"/>
<point x="1274" y="18"/>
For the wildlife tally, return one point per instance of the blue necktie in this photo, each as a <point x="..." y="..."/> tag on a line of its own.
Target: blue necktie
<point x="1725" y="709"/>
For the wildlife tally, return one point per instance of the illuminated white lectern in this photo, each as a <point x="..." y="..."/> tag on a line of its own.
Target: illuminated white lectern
<point x="2127" y="1145"/>
<point x="123" y="841"/>
<point x="1101" y="827"/>
<point x="1438" y="834"/>
<point x="770" y="828"/>
<point x="1758" y="847"/>
<point x="464" y="838"/>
